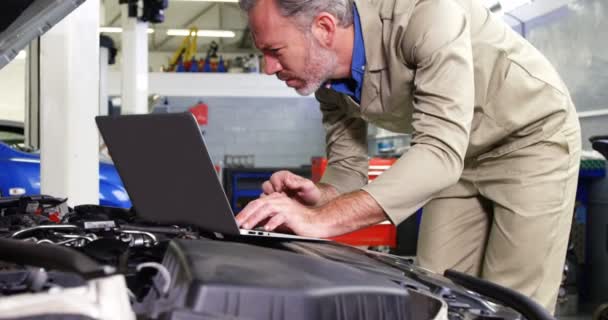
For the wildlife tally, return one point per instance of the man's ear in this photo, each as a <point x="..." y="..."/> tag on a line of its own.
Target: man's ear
<point x="324" y="29"/>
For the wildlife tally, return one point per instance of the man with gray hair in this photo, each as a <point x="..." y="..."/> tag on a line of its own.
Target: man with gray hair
<point x="495" y="136"/>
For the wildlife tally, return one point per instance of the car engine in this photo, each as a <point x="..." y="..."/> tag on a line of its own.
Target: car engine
<point x="95" y="262"/>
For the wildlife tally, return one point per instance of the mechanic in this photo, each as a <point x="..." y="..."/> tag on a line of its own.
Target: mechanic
<point x="495" y="136"/>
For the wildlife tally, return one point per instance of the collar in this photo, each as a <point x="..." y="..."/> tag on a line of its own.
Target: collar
<point x="371" y="18"/>
<point x="352" y="86"/>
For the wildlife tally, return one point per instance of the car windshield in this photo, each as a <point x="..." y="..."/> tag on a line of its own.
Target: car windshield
<point x="12" y="135"/>
<point x="11" y="138"/>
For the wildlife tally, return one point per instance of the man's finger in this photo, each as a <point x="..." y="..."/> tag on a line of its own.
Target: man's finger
<point x="267" y="187"/>
<point x="263" y="212"/>
<point x="275" y="195"/>
<point x="295" y="182"/>
<point x="272" y="195"/>
<point x="277" y="182"/>
<point x="275" y="222"/>
<point x="249" y="209"/>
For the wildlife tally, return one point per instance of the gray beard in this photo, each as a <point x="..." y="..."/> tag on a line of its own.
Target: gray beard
<point x="321" y="64"/>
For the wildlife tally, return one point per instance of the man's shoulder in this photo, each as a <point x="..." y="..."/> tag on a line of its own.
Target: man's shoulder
<point x="387" y="8"/>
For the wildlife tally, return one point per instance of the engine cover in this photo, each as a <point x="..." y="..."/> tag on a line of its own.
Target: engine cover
<point x="246" y="281"/>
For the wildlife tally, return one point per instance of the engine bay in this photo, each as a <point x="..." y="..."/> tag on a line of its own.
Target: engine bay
<point x="178" y="272"/>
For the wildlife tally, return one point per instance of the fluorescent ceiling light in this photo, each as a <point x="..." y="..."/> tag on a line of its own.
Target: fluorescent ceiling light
<point x="117" y="30"/>
<point x="110" y="29"/>
<point x="21" y="55"/>
<point x="202" y="33"/>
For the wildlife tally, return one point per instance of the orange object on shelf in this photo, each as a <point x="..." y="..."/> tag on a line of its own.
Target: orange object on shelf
<point x="378" y="235"/>
<point x="201" y="113"/>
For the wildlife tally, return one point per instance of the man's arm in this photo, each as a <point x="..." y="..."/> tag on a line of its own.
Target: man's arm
<point x="328" y="193"/>
<point x="437" y="42"/>
<point x="347" y="213"/>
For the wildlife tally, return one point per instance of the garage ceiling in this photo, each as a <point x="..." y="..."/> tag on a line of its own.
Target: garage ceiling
<point x="183" y="14"/>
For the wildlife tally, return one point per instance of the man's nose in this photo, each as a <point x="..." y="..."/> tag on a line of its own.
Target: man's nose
<point x="271" y="65"/>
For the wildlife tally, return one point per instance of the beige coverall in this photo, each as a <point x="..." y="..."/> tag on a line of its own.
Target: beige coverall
<point x="496" y="140"/>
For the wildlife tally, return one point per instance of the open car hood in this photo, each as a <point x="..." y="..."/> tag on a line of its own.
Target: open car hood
<point x="21" y="21"/>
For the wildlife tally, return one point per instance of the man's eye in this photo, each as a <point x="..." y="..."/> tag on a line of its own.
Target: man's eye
<point x="275" y="50"/>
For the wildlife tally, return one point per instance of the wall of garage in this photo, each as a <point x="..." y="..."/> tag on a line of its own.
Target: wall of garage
<point x="575" y="44"/>
<point x="12" y="91"/>
<point x="279" y="132"/>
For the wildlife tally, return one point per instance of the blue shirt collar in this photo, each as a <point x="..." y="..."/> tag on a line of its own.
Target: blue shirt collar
<point x="352" y="86"/>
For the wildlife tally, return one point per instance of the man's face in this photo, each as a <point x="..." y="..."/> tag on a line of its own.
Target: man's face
<point x="294" y="55"/>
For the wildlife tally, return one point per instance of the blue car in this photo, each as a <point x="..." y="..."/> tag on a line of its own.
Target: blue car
<point x="20" y="170"/>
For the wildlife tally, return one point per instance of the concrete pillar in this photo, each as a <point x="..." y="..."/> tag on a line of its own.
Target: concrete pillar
<point x="69" y="102"/>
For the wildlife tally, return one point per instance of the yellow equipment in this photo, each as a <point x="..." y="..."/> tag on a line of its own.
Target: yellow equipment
<point x="186" y="50"/>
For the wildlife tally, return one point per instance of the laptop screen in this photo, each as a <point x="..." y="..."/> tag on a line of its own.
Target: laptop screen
<point x="167" y="171"/>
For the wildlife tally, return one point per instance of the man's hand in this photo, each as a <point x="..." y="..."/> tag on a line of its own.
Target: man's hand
<point x="294" y="186"/>
<point x="282" y="211"/>
<point x="344" y="214"/>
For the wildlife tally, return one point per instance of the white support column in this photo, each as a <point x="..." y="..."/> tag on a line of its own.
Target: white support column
<point x="134" y="64"/>
<point x="104" y="54"/>
<point x="69" y="100"/>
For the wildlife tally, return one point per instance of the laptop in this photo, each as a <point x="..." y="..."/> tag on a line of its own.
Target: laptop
<point x="167" y="171"/>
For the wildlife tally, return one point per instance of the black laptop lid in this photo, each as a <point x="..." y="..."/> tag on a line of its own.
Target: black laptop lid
<point x="167" y="171"/>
